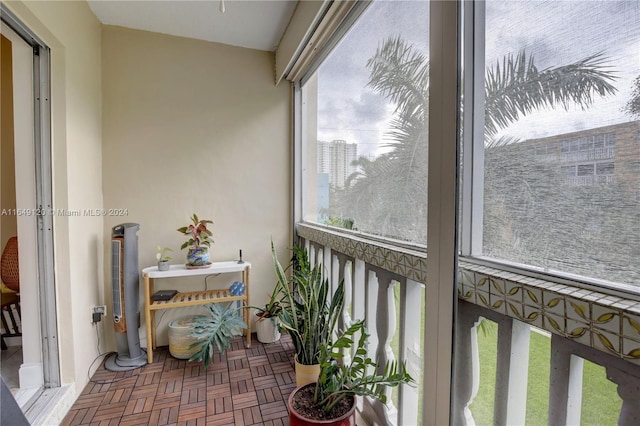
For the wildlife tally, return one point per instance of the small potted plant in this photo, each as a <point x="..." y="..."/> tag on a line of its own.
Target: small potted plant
<point x="331" y="400"/>
<point x="199" y="241"/>
<point x="308" y="312"/>
<point x="163" y="258"/>
<point x="267" y="325"/>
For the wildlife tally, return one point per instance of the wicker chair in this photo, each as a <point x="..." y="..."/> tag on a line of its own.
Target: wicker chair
<point x="10" y="274"/>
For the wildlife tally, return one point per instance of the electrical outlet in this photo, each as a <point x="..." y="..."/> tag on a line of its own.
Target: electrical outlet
<point x="97" y="313"/>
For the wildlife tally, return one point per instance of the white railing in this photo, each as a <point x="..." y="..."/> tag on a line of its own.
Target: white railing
<point x="565" y="381"/>
<point x="384" y="284"/>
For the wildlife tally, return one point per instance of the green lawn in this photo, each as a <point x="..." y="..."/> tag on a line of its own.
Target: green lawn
<point x="600" y="401"/>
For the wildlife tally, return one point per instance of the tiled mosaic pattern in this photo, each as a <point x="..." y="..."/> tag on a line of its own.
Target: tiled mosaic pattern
<point x="608" y="323"/>
<point x="404" y="262"/>
<point x="601" y="321"/>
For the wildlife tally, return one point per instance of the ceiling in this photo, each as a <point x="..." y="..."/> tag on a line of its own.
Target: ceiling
<point x="255" y="24"/>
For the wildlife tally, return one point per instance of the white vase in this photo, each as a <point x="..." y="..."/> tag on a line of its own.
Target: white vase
<point x="267" y="330"/>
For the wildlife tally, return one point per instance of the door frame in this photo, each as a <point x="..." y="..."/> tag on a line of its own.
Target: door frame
<point x="44" y="198"/>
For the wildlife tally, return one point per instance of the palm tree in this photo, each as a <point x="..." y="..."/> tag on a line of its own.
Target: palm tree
<point x="390" y="192"/>
<point x="633" y="106"/>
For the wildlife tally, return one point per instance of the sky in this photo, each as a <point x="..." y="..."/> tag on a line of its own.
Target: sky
<point x="347" y="109"/>
<point x="562" y="32"/>
<point x="555" y="32"/>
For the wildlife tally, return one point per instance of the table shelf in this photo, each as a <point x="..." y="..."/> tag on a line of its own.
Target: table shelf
<point x="192" y="298"/>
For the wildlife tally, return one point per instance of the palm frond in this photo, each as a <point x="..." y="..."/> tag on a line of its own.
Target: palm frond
<point x="500" y="142"/>
<point x="400" y="73"/>
<point x="515" y="87"/>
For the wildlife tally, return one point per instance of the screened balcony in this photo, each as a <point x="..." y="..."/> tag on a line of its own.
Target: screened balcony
<point x="493" y="247"/>
<point x="512" y="265"/>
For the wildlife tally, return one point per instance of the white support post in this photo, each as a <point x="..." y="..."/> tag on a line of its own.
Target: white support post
<point x="467" y="365"/>
<point x="440" y="294"/>
<point x="359" y="284"/>
<point x="335" y="270"/>
<point x="311" y="251"/>
<point x="510" y="404"/>
<point x="319" y="260"/>
<point x="347" y="276"/>
<point x="385" y="329"/>
<point x="371" y="303"/>
<point x="565" y="383"/>
<point x="410" y="350"/>
<point x="345" y="319"/>
<point x="629" y="391"/>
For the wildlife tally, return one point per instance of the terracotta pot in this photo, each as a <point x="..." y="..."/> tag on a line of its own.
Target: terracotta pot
<point x="296" y="419"/>
<point x="306" y="374"/>
<point x="267" y="330"/>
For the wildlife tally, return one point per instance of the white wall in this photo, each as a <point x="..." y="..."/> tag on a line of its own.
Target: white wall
<point x="193" y="126"/>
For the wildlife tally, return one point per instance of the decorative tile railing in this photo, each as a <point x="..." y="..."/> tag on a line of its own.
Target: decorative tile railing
<point x="584" y="325"/>
<point x="604" y="322"/>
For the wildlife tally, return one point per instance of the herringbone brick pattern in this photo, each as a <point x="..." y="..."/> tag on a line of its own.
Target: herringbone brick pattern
<point x="242" y="387"/>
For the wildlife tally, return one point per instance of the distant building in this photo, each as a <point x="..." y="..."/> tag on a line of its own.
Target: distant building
<point x="323" y="197"/>
<point x="335" y="158"/>
<point x="569" y="202"/>
<point x="596" y="156"/>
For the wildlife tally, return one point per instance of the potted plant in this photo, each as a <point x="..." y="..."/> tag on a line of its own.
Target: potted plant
<point x="268" y="325"/>
<point x="215" y="330"/>
<point x="198" y="243"/>
<point x="305" y="312"/>
<point x="163" y="258"/>
<point x="331" y="400"/>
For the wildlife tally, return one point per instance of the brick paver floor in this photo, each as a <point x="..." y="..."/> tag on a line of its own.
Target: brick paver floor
<point x="245" y="386"/>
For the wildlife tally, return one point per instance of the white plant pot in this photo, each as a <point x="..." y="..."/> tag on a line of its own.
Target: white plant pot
<point x="267" y="330"/>
<point x="164" y="265"/>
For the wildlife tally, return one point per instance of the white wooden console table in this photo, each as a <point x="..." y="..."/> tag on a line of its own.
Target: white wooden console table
<point x="192" y="298"/>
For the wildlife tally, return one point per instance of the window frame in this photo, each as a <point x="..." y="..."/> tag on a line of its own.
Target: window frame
<point x="472" y="179"/>
<point x="440" y="288"/>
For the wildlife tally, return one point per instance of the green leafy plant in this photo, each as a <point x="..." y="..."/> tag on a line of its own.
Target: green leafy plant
<point x="162" y="255"/>
<point x="215" y="330"/>
<point x="338" y="381"/>
<point x="198" y="233"/>
<point x="305" y="312"/>
<point x="272" y="308"/>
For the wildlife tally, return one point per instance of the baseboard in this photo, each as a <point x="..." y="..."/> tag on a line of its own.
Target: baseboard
<point x="31" y="376"/>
